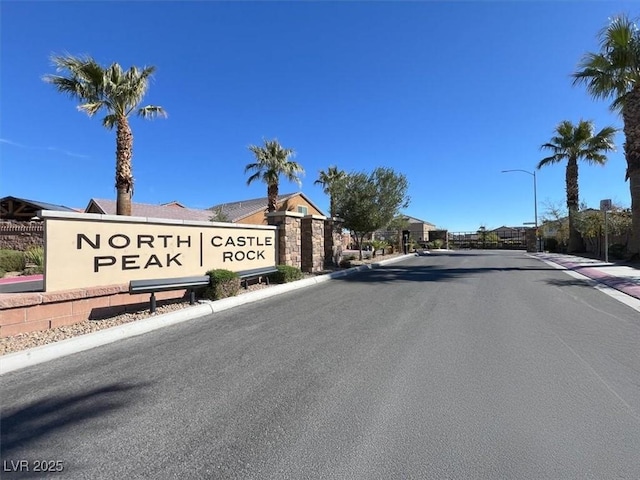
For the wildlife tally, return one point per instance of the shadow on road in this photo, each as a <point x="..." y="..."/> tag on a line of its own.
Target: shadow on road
<point x="427" y="273"/>
<point x="53" y="416"/>
<point x="571" y="282"/>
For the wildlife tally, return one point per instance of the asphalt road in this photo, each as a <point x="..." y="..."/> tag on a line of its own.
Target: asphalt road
<point x="455" y="366"/>
<point x="22" y="287"/>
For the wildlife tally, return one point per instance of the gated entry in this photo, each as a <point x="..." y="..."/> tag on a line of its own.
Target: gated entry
<point x="507" y="238"/>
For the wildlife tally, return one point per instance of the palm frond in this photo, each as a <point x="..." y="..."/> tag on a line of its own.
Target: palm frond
<point x="91" y="108"/>
<point x="614" y="71"/>
<point x="110" y="121"/>
<point x="578" y="142"/>
<point x="152" y="111"/>
<point x="550" y="160"/>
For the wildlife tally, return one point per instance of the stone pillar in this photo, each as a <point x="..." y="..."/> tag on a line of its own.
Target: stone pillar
<point x="312" y="232"/>
<point x="530" y="235"/>
<point x="288" y="248"/>
<point x="333" y="241"/>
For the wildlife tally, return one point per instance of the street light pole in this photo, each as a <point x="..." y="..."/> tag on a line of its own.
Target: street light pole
<point x="535" y="198"/>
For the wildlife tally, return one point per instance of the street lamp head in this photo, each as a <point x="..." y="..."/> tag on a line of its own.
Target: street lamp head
<point x="518" y="170"/>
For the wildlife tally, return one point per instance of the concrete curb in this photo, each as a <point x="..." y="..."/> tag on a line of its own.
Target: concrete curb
<point x="33" y="356"/>
<point x="622" y="284"/>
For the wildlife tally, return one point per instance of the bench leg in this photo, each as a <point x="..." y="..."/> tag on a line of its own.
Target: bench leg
<point x="152" y="301"/>
<point x="192" y="297"/>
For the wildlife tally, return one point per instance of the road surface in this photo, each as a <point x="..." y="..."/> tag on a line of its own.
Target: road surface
<point x="468" y="365"/>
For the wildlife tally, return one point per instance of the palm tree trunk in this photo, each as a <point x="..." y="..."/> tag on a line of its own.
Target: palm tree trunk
<point x="573" y="205"/>
<point x="124" y="175"/>
<point x="272" y="198"/>
<point x="631" y="116"/>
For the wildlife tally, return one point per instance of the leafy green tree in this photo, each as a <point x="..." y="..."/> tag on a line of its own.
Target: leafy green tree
<point x="590" y="223"/>
<point x="329" y="181"/>
<point x="555" y="224"/>
<point x="613" y="74"/>
<point x="118" y="93"/>
<point x="368" y="202"/>
<point x="572" y="143"/>
<point x="394" y="230"/>
<point x="273" y="161"/>
<point x="486" y="238"/>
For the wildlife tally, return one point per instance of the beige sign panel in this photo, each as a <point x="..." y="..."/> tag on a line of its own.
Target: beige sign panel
<point x="94" y="250"/>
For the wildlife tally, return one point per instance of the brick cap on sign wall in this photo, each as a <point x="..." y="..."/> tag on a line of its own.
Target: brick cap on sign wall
<point x="13" y="300"/>
<point x="315" y="217"/>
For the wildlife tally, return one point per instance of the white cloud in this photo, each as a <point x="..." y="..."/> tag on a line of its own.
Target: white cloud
<point x="51" y="149"/>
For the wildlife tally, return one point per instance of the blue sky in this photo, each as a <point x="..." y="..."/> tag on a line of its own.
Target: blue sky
<point x="447" y="93"/>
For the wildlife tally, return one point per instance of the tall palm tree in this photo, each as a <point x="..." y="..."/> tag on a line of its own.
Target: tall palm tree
<point x="614" y="73"/>
<point x="272" y="161"/>
<point x="119" y="94"/>
<point x="573" y="143"/>
<point x="329" y="181"/>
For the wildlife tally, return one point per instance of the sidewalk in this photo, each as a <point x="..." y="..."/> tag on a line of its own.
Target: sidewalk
<point x="623" y="278"/>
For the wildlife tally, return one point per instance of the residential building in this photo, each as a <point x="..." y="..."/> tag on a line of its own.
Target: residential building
<point x="254" y="212"/>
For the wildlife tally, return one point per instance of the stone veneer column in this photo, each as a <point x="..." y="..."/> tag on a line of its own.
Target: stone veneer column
<point x="333" y="241"/>
<point x="288" y="237"/>
<point x="530" y="235"/>
<point x="312" y="230"/>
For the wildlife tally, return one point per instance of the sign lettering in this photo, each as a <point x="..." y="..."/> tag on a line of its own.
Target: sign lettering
<point x="83" y="252"/>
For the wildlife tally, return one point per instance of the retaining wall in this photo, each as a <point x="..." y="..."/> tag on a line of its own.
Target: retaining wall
<point x="30" y="312"/>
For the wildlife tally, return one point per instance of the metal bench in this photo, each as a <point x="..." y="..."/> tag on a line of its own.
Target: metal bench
<point x="166" y="284"/>
<point x="258" y="273"/>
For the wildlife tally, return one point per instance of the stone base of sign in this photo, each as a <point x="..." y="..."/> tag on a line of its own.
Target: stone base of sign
<point x="30" y="312"/>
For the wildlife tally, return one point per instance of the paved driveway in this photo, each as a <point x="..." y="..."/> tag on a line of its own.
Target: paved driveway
<point x="468" y="365"/>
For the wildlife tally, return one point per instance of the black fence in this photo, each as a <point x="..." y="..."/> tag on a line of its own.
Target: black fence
<point x="507" y="239"/>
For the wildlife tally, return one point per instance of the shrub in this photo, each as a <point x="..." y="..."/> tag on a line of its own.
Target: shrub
<point x="285" y="274"/>
<point x="35" y="256"/>
<point x="223" y="284"/>
<point x="438" y="243"/>
<point x="346" y="261"/>
<point x="2" y="273"/>
<point x="12" y="261"/>
<point x="617" y="251"/>
<point x="378" y="245"/>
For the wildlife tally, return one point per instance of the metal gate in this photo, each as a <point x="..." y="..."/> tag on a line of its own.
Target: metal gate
<point x="507" y="238"/>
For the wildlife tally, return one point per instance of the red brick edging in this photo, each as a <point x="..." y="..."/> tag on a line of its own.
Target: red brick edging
<point x="30" y="312"/>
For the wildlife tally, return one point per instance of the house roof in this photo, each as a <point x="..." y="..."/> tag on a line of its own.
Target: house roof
<point x="504" y="227"/>
<point x="173" y="203"/>
<point x="170" y="211"/>
<point x="417" y="220"/>
<point x="14" y="207"/>
<point x="236" y="211"/>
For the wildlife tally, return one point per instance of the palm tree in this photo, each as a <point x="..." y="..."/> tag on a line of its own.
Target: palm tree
<point x="614" y="73"/>
<point x="573" y="143"/>
<point x="329" y="181"/>
<point x="272" y="160"/>
<point x="118" y="93"/>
